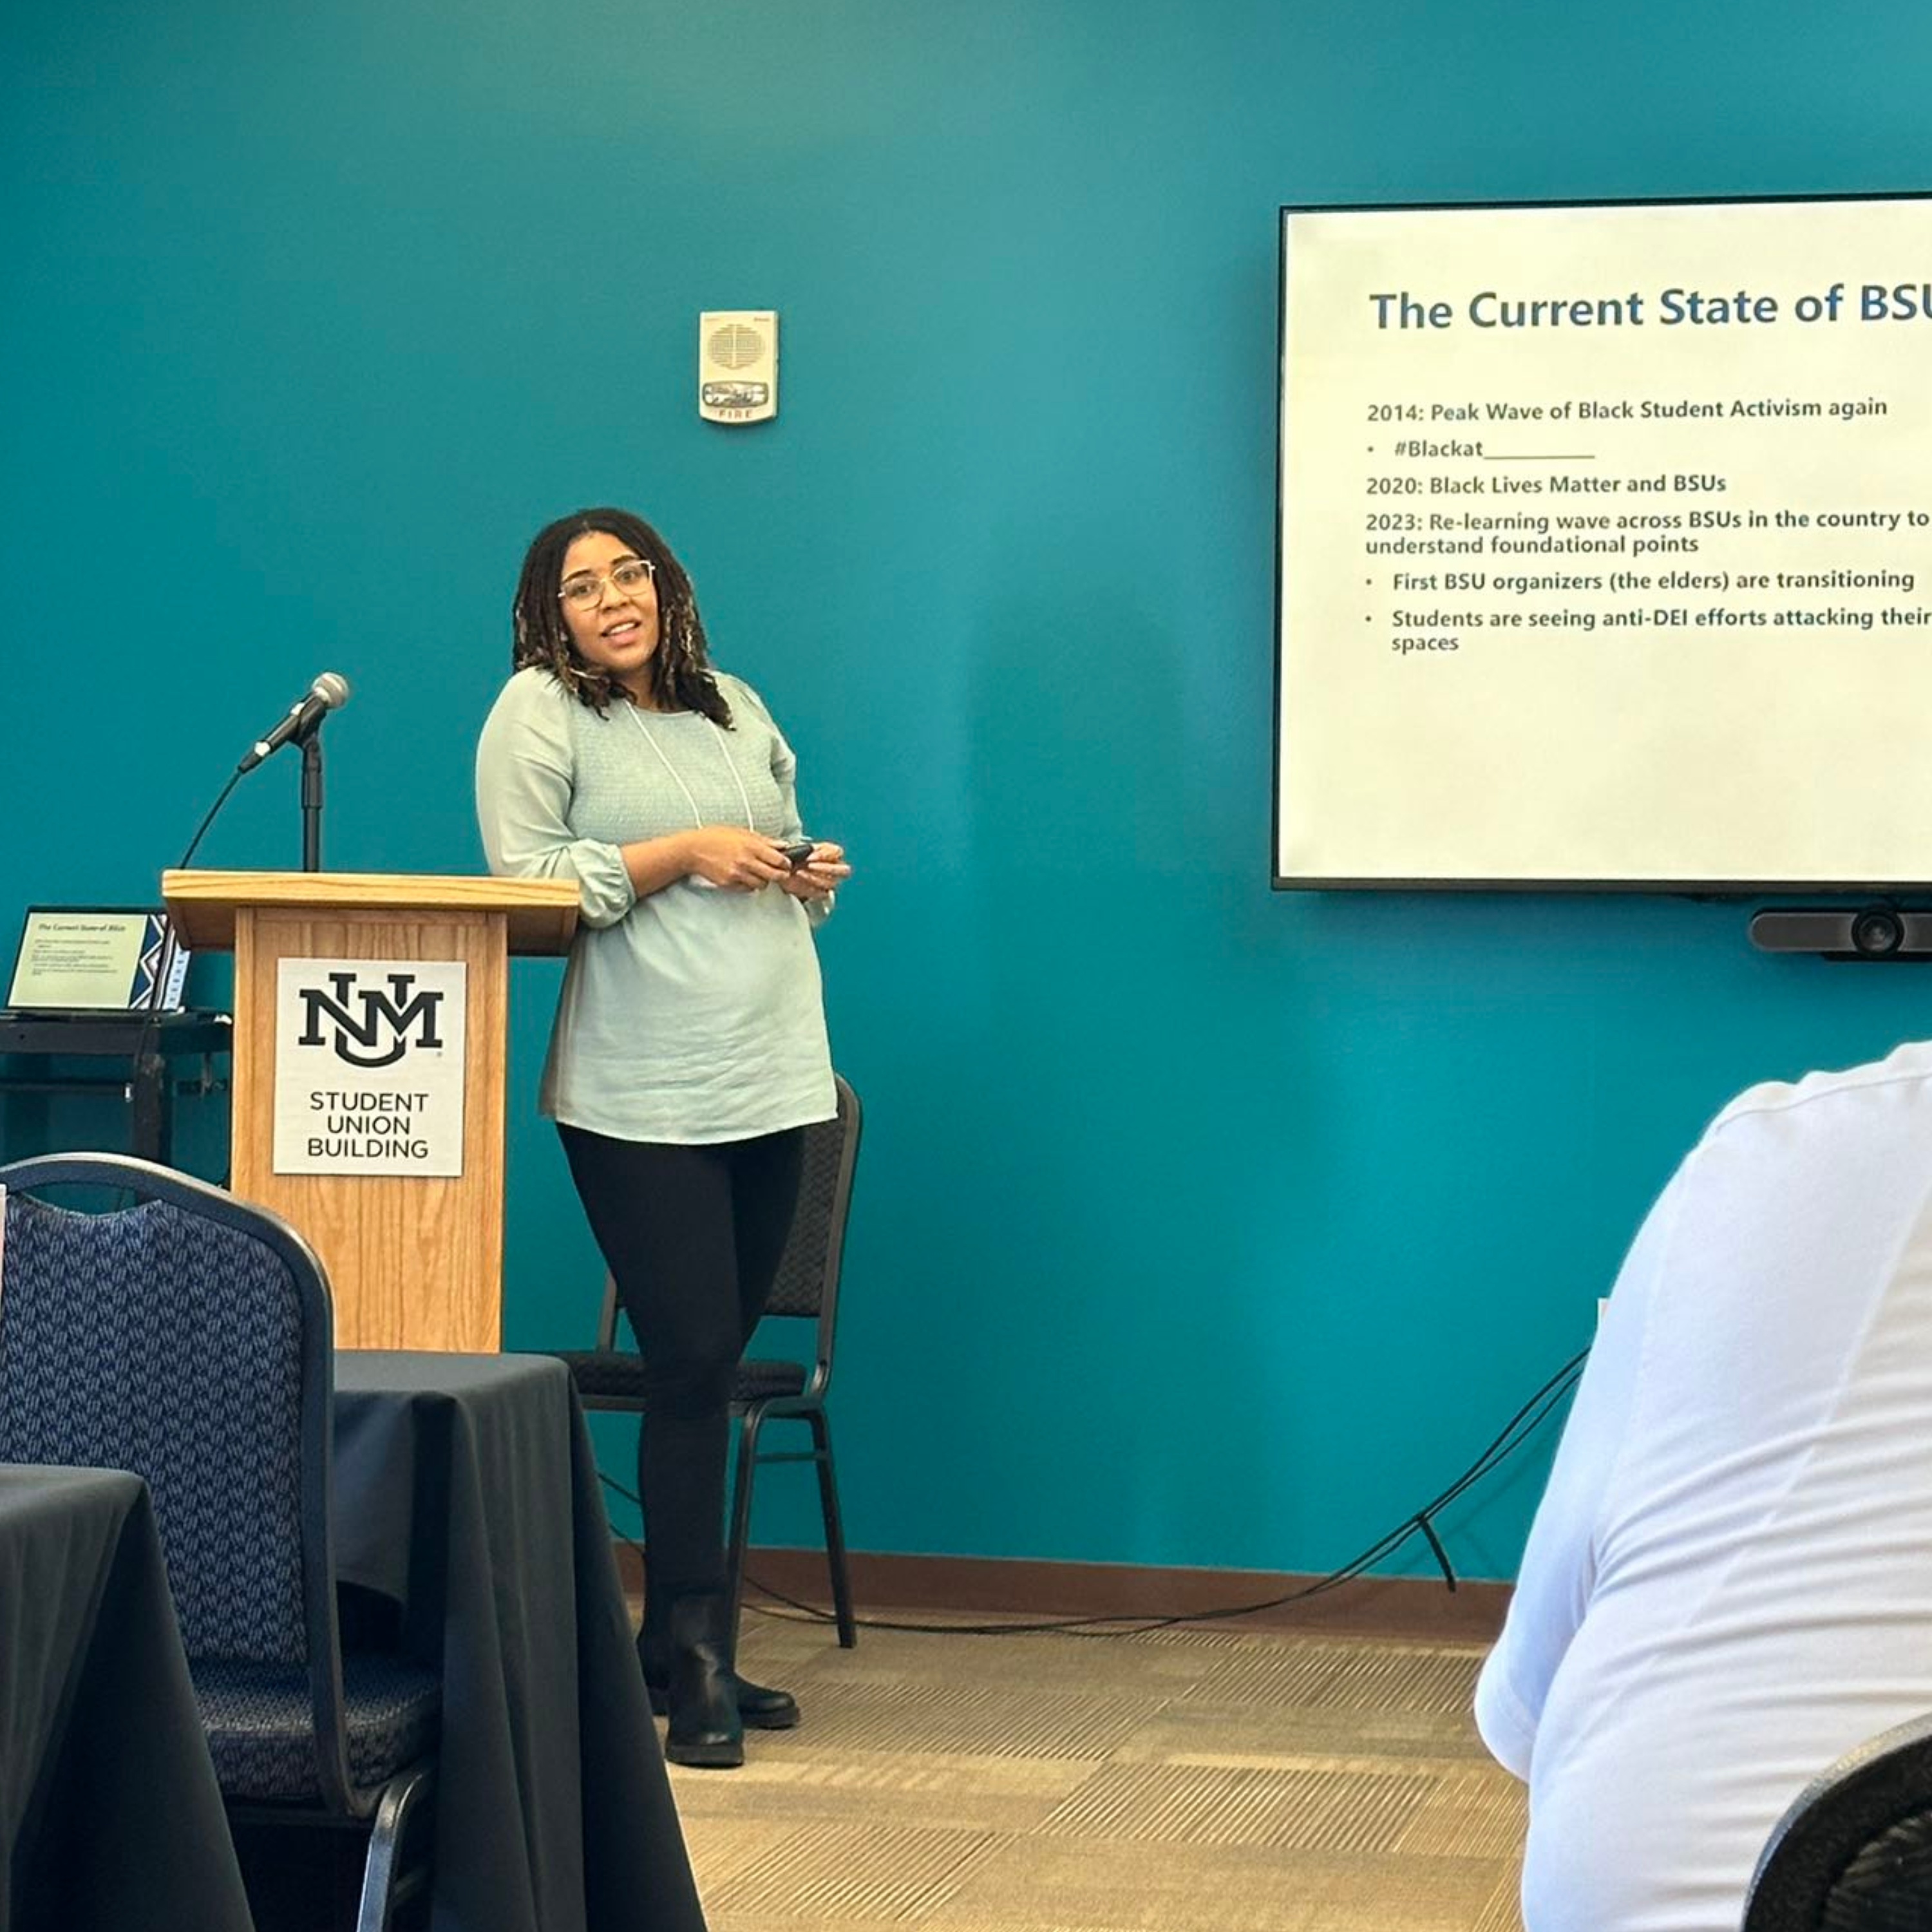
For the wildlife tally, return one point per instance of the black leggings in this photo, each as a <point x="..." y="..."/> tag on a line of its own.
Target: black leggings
<point x="693" y="1236"/>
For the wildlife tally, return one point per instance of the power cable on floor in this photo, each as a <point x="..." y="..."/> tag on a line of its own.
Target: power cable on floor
<point x="1524" y="1424"/>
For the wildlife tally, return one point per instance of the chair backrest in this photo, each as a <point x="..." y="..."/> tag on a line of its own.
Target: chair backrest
<point x="187" y="1337"/>
<point x="807" y="1282"/>
<point x="1853" y="1852"/>
<point x="808" y="1276"/>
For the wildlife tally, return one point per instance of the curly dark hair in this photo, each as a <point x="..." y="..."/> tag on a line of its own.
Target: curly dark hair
<point x="681" y="675"/>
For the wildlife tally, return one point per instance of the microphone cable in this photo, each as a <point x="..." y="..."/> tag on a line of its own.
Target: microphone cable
<point x="152" y="1008"/>
<point x="235" y="777"/>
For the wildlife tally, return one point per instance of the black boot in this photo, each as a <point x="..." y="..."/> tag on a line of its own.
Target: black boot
<point x="705" y="1730"/>
<point x="761" y="1707"/>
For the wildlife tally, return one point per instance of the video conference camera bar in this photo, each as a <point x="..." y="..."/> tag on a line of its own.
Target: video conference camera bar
<point x="1872" y="932"/>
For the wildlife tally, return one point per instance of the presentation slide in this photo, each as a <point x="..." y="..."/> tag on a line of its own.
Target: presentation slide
<point x="1606" y="546"/>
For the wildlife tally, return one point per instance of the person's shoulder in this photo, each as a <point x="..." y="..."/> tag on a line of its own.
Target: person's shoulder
<point x="1905" y="1074"/>
<point x="535" y="685"/>
<point x="740" y="696"/>
<point x="535" y="693"/>
<point x="534" y="715"/>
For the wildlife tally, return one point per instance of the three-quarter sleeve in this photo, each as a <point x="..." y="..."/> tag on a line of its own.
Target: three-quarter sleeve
<point x="524" y="776"/>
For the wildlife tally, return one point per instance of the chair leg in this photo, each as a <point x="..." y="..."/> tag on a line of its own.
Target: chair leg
<point x="834" y="1529"/>
<point x="748" y="1426"/>
<point x="381" y="1890"/>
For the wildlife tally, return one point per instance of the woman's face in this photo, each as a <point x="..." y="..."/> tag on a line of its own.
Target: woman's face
<point x="616" y="630"/>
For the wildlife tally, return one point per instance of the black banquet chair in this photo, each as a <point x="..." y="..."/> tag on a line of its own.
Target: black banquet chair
<point x="609" y="1377"/>
<point x="186" y="1336"/>
<point x="1853" y="1853"/>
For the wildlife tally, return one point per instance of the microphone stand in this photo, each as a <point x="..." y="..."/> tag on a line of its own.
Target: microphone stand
<point x="311" y="801"/>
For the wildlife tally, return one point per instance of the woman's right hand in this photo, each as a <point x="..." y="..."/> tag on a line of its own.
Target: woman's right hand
<point x="739" y="860"/>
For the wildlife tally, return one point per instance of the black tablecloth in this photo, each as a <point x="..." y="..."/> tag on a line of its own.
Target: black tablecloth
<point x="466" y="1494"/>
<point x="110" y="1814"/>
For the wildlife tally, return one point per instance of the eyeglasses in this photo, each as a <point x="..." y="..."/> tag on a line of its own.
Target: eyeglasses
<point x="586" y="587"/>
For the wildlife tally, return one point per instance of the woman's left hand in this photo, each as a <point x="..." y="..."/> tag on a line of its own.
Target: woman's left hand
<point x="824" y="871"/>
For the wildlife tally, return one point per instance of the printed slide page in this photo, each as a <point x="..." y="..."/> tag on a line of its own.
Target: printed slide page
<point x="1606" y="545"/>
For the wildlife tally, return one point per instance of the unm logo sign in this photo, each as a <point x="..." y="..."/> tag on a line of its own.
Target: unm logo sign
<point x="386" y="1017"/>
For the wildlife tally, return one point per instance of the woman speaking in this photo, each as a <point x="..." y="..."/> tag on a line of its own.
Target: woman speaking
<point x="689" y="1051"/>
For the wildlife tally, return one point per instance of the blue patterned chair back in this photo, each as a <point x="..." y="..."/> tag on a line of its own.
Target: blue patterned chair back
<point x="169" y="1338"/>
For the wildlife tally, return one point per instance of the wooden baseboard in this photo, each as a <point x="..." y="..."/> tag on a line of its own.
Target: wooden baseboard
<point x="967" y="1586"/>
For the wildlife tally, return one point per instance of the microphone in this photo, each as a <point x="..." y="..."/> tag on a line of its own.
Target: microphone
<point x="328" y="691"/>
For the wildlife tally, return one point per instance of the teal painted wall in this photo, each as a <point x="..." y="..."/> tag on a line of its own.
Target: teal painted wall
<point x="1197" y="1225"/>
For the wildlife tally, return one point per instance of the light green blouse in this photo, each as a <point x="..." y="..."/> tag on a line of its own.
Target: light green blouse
<point x="694" y="1015"/>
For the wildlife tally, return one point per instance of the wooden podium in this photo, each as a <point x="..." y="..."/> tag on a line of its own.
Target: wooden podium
<point x="416" y="1260"/>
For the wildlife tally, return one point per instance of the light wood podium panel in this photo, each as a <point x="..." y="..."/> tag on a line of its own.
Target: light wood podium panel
<point x="415" y="1261"/>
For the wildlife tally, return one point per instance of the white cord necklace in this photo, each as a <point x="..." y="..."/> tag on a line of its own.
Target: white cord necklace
<point x="724" y="751"/>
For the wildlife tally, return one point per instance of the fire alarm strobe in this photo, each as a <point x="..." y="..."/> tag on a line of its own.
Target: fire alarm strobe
<point x="738" y="365"/>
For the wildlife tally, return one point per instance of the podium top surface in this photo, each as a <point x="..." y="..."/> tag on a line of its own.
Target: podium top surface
<point x="542" y="913"/>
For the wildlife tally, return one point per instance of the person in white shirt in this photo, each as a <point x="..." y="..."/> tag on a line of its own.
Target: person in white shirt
<point x="1729" y="1581"/>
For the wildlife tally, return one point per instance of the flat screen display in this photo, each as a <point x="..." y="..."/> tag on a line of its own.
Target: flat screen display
<point x="1605" y="540"/>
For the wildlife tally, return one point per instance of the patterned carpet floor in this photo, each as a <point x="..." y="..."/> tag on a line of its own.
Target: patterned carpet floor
<point x="1178" y="1780"/>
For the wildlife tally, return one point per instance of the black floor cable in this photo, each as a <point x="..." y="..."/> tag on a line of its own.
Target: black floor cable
<point x="153" y="1007"/>
<point x="1513" y="1435"/>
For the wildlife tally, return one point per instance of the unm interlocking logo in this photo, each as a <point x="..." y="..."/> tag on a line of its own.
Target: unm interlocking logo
<point x="386" y="1019"/>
